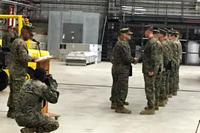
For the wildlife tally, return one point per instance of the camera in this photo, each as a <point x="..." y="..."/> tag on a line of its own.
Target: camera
<point x="48" y="79"/>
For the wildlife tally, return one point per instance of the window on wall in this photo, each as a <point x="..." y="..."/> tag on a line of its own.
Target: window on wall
<point x="72" y="33"/>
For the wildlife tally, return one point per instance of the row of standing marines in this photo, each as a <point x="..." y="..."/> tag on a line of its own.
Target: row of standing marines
<point x="161" y="62"/>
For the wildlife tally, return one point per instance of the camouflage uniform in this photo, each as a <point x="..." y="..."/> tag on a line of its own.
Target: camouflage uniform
<point x="151" y="63"/>
<point x="28" y="111"/>
<point x="167" y="56"/>
<point x="178" y="57"/>
<point x="19" y="59"/>
<point x="122" y="60"/>
<point x="158" y="76"/>
<point x="113" y="89"/>
<point x="173" y="67"/>
<point x="8" y="38"/>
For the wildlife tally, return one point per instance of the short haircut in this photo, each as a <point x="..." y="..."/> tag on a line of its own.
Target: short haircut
<point x="175" y="33"/>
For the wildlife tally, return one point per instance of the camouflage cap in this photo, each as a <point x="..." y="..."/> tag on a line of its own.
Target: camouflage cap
<point x="163" y="31"/>
<point x="175" y="32"/>
<point x="156" y="31"/>
<point x="166" y="29"/>
<point x="170" y="32"/>
<point x="148" y="27"/>
<point x="126" y="31"/>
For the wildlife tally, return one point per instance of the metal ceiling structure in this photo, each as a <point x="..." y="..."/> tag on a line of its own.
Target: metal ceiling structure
<point x="100" y="6"/>
<point x="183" y="15"/>
<point x="24" y="3"/>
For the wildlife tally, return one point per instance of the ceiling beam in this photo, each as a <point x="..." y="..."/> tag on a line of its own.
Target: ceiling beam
<point x="18" y="3"/>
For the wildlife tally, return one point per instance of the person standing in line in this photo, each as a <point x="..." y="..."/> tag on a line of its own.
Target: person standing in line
<point x="158" y="76"/>
<point x="167" y="53"/>
<point x="178" y="60"/>
<point x="150" y="68"/>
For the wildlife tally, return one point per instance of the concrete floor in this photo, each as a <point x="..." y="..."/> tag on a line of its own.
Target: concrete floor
<point x="85" y="108"/>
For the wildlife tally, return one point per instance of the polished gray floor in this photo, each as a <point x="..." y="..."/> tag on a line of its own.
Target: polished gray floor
<point x="85" y="108"/>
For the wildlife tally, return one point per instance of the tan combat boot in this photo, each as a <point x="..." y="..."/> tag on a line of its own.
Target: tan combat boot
<point x="169" y="96"/>
<point x="113" y="105"/>
<point x="123" y="110"/>
<point x="27" y="130"/>
<point x="166" y="101"/>
<point x="148" y="111"/>
<point x="162" y="103"/>
<point x="156" y="108"/>
<point x="174" y="93"/>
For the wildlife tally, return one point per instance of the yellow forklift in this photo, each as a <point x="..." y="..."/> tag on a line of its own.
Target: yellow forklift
<point x="4" y="73"/>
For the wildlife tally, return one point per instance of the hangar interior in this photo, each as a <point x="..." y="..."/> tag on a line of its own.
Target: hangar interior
<point x="82" y="34"/>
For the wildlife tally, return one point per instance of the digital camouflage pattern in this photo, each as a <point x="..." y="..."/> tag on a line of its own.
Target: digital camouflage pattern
<point x="30" y="99"/>
<point x="7" y="38"/>
<point x="167" y="57"/>
<point x="19" y="59"/>
<point x="176" y="59"/>
<point x="158" y="78"/>
<point x="173" y="64"/>
<point x="18" y="65"/>
<point x="179" y="60"/>
<point x="167" y="52"/>
<point x="151" y="63"/>
<point x="178" y="52"/>
<point x="15" y="86"/>
<point x="122" y="60"/>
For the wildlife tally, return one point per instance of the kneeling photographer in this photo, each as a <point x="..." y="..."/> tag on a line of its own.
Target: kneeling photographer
<point x="41" y="88"/>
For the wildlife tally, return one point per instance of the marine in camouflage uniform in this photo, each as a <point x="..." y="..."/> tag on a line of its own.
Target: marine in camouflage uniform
<point x="18" y="65"/>
<point x="169" y="67"/>
<point x="28" y="111"/>
<point x="178" y="57"/>
<point x="8" y="37"/>
<point x="122" y="60"/>
<point x="176" y="60"/>
<point x="113" y="89"/>
<point x="158" y="76"/>
<point x="151" y="64"/>
<point x="173" y="62"/>
<point x="167" y="56"/>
